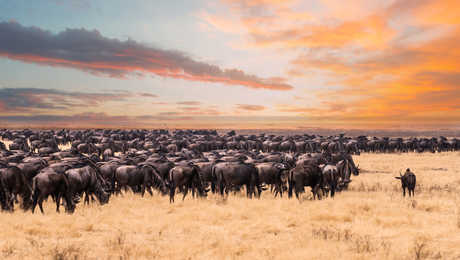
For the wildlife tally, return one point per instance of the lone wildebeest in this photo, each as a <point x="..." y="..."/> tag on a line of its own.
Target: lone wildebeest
<point x="408" y="181"/>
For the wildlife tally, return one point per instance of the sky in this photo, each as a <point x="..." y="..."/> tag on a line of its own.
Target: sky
<point x="242" y="64"/>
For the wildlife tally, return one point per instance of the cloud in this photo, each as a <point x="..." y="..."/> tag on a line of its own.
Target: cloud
<point x="189" y="103"/>
<point x="250" y="107"/>
<point x="33" y="99"/>
<point x="190" y="108"/>
<point x="169" y="113"/>
<point x="149" y="95"/>
<point x="90" y="51"/>
<point x="386" y="63"/>
<point x="82" y="120"/>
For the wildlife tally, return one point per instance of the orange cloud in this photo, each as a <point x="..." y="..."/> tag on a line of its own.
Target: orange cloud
<point x="250" y="107"/>
<point x="391" y="63"/>
<point x="373" y="32"/>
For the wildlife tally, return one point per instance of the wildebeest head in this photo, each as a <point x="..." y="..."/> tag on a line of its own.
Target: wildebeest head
<point x="198" y="181"/>
<point x="154" y="178"/>
<point x="281" y="166"/>
<point x="103" y="196"/>
<point x="70" y="207"/>
<point x="356" y="170"/>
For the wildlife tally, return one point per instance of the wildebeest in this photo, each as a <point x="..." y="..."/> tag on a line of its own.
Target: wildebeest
<point x="185" y="177"/>
<point x="408" y="180"/>
<point x="49" y="182"/>
<point x="302" y="175"/>
<point x="206" y="174"/>
<point x="15" y="183"/>
<point x="330" y="178"/>
<point x="87" y="180"/>
<point x="30" y="167"/>
<point x="273" y="174"/>
<point x="345" y="168"/>
<point x="231" y="175"/>
<point x="144" y="175"/>
<point x="2" y="146"/>
<point x="6" y="200"/>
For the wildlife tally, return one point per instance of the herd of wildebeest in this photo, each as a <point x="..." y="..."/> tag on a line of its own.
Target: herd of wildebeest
<point x="101" y="163"/>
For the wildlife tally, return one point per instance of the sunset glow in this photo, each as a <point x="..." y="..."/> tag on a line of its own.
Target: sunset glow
<point x="230" y="64"/>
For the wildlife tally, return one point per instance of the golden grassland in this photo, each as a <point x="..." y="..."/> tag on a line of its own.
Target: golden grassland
<point x="370" y="221"/>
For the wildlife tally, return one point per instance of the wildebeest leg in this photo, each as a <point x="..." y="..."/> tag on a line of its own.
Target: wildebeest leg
<point x="117" y="188"/>
<point x="10" y="202"/>
<point x="222" y="189"/>
<point x="227" y="190"/>
<point x="185" y="192"/>
<point x="332" y="191"/>
<point x="251" y="190"/>
<point x="35" y="199"/>
<point x="143" y="190"/>
<point x="404" y="191"/>
<point x="315" y="192"/>
<point x="279" y="188"/>
<point x="172" y="190"/>
<point x="213" y="187"/>
<point x="58" y="201"/>
<point x="86" y="198"/>
<point x="40" y="204"/>
<point x="318" y="194"/>
<point x="149" y="190"/>
<point x="298" y="192"/>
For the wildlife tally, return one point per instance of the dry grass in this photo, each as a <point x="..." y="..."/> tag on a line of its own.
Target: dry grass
<point x="370" y="221"/>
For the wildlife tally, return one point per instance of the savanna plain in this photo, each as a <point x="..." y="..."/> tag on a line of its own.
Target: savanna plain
<point x="372" y="220"/>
